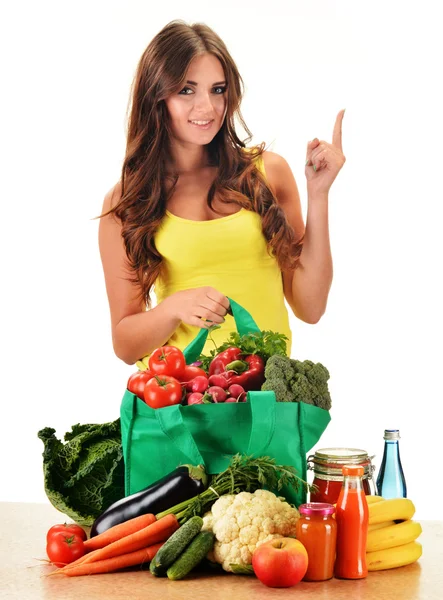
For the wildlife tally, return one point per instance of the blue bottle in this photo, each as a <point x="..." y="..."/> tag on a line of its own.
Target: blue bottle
<point x="391" y="480"/>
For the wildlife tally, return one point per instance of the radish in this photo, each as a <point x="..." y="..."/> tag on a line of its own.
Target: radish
<point x="238" y="392"/>
<point x="198" y="384"/>
<point x="219" y="381"/>
<point x="218" y="394"/>
<point x="195" y="398"/>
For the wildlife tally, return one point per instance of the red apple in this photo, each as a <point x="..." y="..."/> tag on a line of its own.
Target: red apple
<point x="281" y="562"/>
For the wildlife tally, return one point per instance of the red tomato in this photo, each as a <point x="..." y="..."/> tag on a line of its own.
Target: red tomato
<point x="167" y="360"/>
<point x="191" y="372"/>
<point x="68" y="528"/>
<point x="137" y="382"/>
<point x="163" y="390"/>
<point x="64" y="548"/>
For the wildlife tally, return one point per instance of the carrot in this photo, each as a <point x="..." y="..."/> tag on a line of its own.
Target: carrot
<point x="108" y="565"/>
<point x="159" y="531"/>
<point x="90" y="556"/>
<point x="118" y="531"/>
<point x="98" y="554"/>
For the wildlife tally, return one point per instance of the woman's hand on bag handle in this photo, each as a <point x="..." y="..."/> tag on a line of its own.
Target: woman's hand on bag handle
<point x="201" y="307"/>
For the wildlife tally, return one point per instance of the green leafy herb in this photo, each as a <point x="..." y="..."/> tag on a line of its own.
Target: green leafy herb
<point x="263" y="343"/>
<point x="244" y="474"/>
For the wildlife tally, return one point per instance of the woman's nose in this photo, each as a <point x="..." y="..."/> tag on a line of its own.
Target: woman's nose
<point x="203" y="102"/>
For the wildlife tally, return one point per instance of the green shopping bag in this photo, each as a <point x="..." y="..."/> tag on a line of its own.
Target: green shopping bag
<point x="156" y="441"/>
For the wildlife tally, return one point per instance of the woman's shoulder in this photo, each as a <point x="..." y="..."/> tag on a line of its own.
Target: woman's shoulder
<point x="112" y="196"/>
<point x="271" y="165"/>
<point x="271" y="161"/>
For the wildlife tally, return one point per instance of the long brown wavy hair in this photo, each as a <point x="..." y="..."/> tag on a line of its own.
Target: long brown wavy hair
<point x="141" y="207"/>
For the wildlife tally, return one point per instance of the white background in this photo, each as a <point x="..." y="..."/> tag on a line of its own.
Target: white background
<point x="66" y="77"/>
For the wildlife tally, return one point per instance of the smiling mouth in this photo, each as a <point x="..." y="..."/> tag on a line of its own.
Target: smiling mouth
<point x="202" y="124"/>
<point x="201" y="121"/>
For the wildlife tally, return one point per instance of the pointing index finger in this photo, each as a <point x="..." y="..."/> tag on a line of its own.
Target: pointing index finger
<point x="336" y="136"/>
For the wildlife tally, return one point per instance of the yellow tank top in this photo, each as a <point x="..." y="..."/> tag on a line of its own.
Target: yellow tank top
<point x="228" y="253"/>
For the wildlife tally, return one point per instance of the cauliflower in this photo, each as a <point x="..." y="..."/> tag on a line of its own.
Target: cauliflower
<point x="241" y="522"/>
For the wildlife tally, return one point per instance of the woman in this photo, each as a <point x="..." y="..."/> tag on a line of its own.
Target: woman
<point x="197" y="217"/>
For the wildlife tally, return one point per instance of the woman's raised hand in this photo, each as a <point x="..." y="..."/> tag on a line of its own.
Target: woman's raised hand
<point x="325" y="160"/>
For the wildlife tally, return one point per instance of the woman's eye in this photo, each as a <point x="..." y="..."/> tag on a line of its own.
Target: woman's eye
<point x="185" y="90"/>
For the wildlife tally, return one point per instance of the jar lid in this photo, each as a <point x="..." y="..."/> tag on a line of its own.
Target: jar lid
<point x="316" y="508"/>
<point x="327" y="462"/>
<point x="344" y="455"/>
<point x="353" y="470"/>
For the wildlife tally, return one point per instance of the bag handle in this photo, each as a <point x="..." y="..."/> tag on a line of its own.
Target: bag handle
<point x="243" y="322"/>
<point x="263" y="405"/>
<point x="171" y="422"/>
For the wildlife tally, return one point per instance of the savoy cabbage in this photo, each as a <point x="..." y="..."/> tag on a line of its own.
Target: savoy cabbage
<point x="84" y="475"/>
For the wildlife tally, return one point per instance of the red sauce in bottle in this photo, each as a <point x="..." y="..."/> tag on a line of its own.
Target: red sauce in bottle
<point x="352" y="516"/>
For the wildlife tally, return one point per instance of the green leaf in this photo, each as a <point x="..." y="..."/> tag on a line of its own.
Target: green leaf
<point x="242" y="569"/>
<point x="264" y="343"/>
<point x="85" y="475"/>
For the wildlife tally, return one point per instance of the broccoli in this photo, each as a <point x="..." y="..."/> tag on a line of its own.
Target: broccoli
<point x="280" y="388"/>
<point x="297" y="381"/>
<point x="302" y="389"/>
<point x="280" y="366"/>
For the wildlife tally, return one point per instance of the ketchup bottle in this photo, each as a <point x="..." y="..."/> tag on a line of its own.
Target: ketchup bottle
<point x="352" y="517"/>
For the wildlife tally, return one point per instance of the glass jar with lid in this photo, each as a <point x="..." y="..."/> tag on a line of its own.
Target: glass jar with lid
<point x="317" y="531"/>
<point x="327" y="464"/>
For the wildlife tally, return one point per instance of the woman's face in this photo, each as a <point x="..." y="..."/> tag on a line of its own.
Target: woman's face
<point x="202" y="99"/>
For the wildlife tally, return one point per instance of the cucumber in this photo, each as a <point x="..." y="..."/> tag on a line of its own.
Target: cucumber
<point x="175" y="545"/>
<point x="192" y="556"/>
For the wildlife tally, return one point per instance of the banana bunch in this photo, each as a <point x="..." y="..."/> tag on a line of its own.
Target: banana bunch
<point x="392" y="533"/>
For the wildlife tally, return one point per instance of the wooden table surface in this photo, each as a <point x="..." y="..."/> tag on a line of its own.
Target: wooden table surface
<point x="23" y="528"/>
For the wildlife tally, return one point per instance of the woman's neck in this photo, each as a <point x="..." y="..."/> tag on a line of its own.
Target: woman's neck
<point x="188" y="162"/>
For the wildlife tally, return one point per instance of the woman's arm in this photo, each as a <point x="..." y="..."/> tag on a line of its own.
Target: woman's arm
<point x="306" y="288"/>
<point x="136" y="332"/>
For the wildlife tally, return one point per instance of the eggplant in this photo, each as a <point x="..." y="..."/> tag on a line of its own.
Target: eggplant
<point x="185" y="482"/>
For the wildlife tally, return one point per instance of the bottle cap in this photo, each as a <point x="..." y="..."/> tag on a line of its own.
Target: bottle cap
<point x="316" y="508"/>
<point x="392" y="434"/>
<point x="354" y="470"/>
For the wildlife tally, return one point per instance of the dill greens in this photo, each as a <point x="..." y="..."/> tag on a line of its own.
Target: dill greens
<point x="244" y="474"/>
